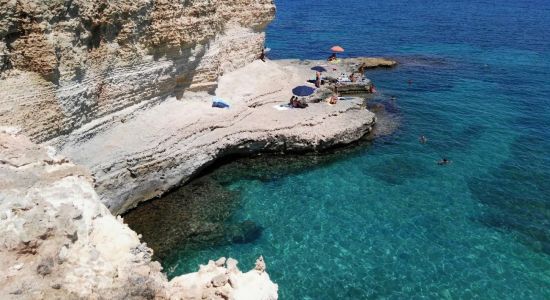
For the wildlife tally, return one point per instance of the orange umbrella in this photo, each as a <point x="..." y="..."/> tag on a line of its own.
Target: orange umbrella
<point x="337" y="49"/>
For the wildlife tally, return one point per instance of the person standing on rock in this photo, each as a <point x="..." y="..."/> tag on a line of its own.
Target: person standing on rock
<point x="318" y="79"/>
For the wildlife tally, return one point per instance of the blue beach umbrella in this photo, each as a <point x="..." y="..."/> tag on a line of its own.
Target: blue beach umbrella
<point x="319" y="69"/>
<point x="303" y="90"/>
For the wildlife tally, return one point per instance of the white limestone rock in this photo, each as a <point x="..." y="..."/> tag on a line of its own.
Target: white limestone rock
<point x="58" y="241"/>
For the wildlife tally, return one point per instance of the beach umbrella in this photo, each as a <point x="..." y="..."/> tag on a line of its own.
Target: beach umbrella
<point x="319" y="69"/>
<point x="303" y="90"/>
<point x="337" y="49"/>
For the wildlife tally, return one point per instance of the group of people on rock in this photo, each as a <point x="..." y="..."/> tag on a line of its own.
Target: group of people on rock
<point x="297" y="103"/>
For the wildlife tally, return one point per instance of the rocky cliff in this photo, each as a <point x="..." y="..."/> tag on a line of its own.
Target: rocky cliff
<point x="66" y="63"/>
<point x="70" y="69"/>
<point x="120" y="88"/>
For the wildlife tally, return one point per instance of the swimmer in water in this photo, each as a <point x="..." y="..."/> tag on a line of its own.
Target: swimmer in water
<point x="423" y="139"/>
<point x="444" y="162"/>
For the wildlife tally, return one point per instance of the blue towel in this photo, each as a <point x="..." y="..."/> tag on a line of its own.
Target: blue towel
<point x="219" y="103"/>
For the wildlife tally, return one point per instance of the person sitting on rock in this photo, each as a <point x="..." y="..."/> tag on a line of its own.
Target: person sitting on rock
<point x="296" y="103"/>
<point x="292" y="99"/>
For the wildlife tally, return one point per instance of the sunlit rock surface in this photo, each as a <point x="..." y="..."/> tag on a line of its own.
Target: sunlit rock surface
<point x="142" y="157"/>
<point x="57" y="240"/>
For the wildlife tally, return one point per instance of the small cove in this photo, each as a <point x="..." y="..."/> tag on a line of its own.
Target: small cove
<point x="201" y="213"/>
<point x="382" y="219"/>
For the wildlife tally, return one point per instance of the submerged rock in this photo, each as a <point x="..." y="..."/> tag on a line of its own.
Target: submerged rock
<point x="245" y="232"/>
<point x="192" y="217"/>
<point x="187" y="218"/>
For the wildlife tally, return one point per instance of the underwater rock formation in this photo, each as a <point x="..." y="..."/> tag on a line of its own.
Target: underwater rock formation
<point x="191" y="217"/>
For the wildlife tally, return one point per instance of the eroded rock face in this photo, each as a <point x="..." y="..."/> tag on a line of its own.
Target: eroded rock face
<point x="64" y="64"/>
<point x="58" y="241"/>
<point x="163" y="146"/>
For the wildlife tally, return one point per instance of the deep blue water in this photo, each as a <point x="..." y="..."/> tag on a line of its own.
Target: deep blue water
<point x="385" y="221"/>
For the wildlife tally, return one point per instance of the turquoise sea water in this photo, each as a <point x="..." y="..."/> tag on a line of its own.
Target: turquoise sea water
<point x="384" y="221"/>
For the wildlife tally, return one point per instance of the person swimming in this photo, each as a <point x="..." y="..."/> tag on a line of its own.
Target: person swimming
<point x="444" y="161"/>
<point x="423" y="139"/>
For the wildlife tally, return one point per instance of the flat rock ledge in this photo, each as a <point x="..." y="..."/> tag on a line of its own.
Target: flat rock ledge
<point x="364" y="63"/>
<point x="58" y="241"/>
<point x="140" y="155"/>
<point x="59" y="237"/>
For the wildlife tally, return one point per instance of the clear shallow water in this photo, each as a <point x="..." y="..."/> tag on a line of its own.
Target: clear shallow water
<point x="384" y="220"/>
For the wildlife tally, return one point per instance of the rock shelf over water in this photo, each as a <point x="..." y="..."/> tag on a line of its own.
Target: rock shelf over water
<point x="143" y="155"/>
<point x="128" y="103"/>
<point x="59" y="238"/>
<point x="122" y="109"/>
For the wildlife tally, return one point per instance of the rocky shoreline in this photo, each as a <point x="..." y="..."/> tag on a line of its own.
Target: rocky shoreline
<point x="138" y="157"/>
<point x="143" y="156"/>
<point x="171" y="141"/>
<point x="104" y="105"/>
<point x="58" y="241"/>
